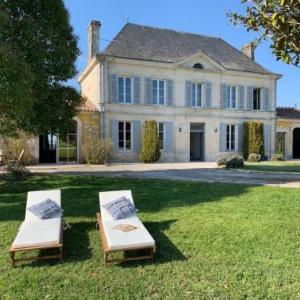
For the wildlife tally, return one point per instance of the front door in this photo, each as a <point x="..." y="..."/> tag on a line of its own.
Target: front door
<point x="197" y="142"/>
<point x="47" y="148"/>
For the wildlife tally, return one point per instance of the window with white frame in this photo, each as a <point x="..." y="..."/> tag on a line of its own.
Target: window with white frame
<point x="124" y="90"/>
<point x="125" y="135"/>
<point x="161" y="134"/>
<point x="231" y="137"/>
<point x="231" y="96"/>
<point x="196" y="94"/>
<point x="257" y="99"/>
<point x="158" y="92"/>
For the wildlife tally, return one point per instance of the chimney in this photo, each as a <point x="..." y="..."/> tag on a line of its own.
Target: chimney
<point x="93" y="39"/>
<point x="248" y="49"/>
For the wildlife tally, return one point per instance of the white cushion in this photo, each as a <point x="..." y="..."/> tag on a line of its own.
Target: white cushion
<point x="117" y="239"/>
<point x="38" y="233"/>
<point x="38" y="196"/>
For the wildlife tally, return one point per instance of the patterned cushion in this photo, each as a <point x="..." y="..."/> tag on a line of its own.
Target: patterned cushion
<point x="46" y="209"/>
<point x="120" y="208"/>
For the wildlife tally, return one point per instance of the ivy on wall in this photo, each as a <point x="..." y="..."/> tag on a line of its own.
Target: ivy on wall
<point x="253" y="139"/>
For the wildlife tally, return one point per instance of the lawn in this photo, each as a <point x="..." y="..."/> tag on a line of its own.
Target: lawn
<point x="214" y="241"/>
<point x="274" y="166"/>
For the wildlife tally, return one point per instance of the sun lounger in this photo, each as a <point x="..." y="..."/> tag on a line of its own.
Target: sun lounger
<point x="37" y="234"/>
<point x="122" y="235"/>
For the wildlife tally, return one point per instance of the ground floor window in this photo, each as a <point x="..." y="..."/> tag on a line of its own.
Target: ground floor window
<point x="124" y="135"/>
<point x="231" y="137"/>
<point x="67" y="145"/>
<point x="161" y="134"/>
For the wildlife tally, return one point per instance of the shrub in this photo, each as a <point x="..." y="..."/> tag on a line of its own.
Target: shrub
<point x="278" y="157"/>
<point x="231" y="161"/>
<point x="151" y="148"/>
<point x="253" y="157"/>
<point x="97" y="151"/>
<point x="17" y="170"/>
<point x="13" y="146"/>
<point x="253" y="139"/>
<point x="280" y="143"/>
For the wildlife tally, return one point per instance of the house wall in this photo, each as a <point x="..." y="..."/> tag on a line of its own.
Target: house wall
<point x="182" y="116"/>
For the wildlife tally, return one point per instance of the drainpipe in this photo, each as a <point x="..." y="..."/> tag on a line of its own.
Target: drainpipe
<point x="102" y="97"/>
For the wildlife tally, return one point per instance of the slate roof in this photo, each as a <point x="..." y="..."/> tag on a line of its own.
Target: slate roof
<point x="288" y="113"/>
<point x="169" y="46"/>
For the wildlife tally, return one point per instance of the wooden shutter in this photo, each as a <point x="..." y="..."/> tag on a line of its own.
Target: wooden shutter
<point x="136" y="134"/>
<point x="169" y="92"/>
<point x="241" y="97"/>
<point x="114" y="134"/>
<point x="222" y="137"/>
<point x="266" y="99"/>
<point x="113" y="89"/>
<point x="223" y="95"/>
<point x="148" y="91"/>
<point x="250" y="98"/>
<point x="267" y="142"/>
<point x="208" y="94"/>
<point x="240" y="135"/>
<point x="136" y="90"/>
<point x="188" y="93"/>
<point x="169" y="137"/>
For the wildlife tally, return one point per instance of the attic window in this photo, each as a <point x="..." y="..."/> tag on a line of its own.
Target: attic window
<point x="198" y="66"/>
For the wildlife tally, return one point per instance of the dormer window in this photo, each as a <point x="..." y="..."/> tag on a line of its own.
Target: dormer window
<point x="198" y="66"/>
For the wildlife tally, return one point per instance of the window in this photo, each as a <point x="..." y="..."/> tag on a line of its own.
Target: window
<point x="198" y="66"/>
<point x="231" y="97"/>
<point x="161" y="134"/>
<point x="196" y="94"/>
<point x="124" y="90"/>
<point x="256" y="99"/>
<point x="125" y="135"/>
<point x="158" y="92"/>
<point x="231" y="140"/>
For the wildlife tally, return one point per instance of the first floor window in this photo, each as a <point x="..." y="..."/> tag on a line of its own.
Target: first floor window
<point x="158" y="92"/>
<point x="124" y="90"/>
<point x="196" y="94"/>
<point x="161" y="134"/>
<point x="231" y="140"/>
<point x="256" y="99"/>
<point x="231" y="97"/>
<point x="125" y="135"/>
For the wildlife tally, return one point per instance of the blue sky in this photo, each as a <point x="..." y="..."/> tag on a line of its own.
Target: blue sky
<point x="203" y="17"/>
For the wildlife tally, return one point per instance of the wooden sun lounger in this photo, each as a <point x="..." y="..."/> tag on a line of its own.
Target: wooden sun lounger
<point x="125" y="245"/>
<point x="26" y="241"/>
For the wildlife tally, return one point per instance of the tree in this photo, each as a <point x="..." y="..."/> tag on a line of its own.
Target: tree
<point x="151" y="147"/>
<point x="38" y="51"/>
<point x="276" y="20"/>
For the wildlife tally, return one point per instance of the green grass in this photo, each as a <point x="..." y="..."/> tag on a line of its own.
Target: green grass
<point x="213" y="241"/>
<point x="274" y="166"/>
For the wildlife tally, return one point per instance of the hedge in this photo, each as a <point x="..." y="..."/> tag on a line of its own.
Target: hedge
<point x="253" y="138"/>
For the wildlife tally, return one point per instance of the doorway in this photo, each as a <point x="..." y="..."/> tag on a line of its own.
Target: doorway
<point x="296" y="143"/>
<point x="47" y="148"/>
<point x="197" y="142"/>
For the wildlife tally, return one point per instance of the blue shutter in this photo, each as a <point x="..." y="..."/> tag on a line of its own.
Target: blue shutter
<point x="250" y="98"/>
<point x="241" y="97"/>
<point x="114" y="134"/>
<point x="170" y="92"/>
<point x="169" y="137"/>
<point x="136" y="132"/>
<point x="266" y="99"/>
<point x="222" y="137"/>
<point x="267" y="142"/>
<point x="240" y="129"/>
<point x="136" y="90"/>
<point x="148" y="90"/>
<point x="113" y="89"/>
<point x="223" y="95"/>
<point x="208" y="94"/>
<point x="188" y="93"/>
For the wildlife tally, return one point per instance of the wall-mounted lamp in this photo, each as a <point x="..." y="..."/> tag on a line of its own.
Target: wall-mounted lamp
<point x="216" y="130"/>
<point x="179" y="129"/>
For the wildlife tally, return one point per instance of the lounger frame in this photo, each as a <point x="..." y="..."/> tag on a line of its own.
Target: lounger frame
<point x="107" y="251"/>
<point x="59" y="247"/>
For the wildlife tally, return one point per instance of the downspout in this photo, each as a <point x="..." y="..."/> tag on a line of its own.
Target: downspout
<point x="102" y="99"/>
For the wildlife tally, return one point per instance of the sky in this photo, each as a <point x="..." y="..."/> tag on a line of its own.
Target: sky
<point x="196" y="16"/>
